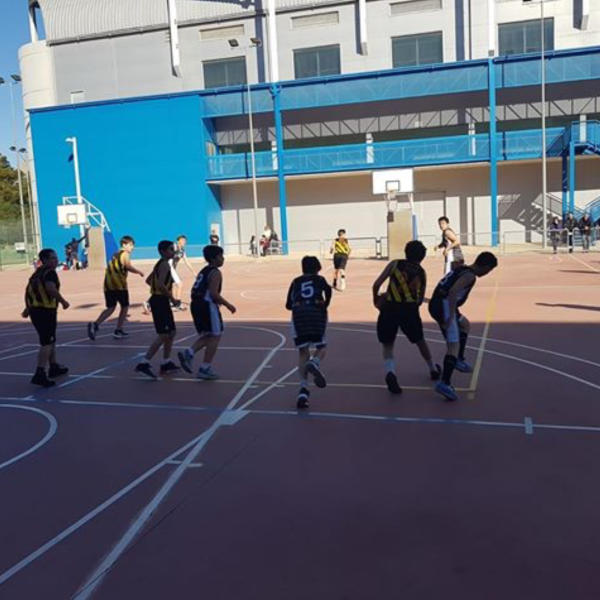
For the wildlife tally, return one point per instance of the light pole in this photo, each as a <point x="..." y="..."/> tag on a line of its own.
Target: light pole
<point x="16" y="79"/>
<point x="254" y="43"/>
<point x="73" y="142"/>
<point x="32" y="207"/>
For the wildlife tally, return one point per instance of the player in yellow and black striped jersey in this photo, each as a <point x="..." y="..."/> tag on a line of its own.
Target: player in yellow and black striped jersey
<point x="161" y="290"/>
<point x="115" y="288"/>
<point x="42" y="297"/>
<point x="399" y="309"/>
<point x="340" y="248"/>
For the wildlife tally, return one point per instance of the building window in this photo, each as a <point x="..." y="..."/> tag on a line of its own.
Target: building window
<point x="422" y="49"/>
<point x="327" y="18"/>
<point x="409" y="6"/>
<point x="525" y="36"/>
<point x="315" y="62"/>
<point x="221" y="73"/>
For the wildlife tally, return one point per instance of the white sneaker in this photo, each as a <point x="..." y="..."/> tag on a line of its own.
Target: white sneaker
<point x="207" y="374"/>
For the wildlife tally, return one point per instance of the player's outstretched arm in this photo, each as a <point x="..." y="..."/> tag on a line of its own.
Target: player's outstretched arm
<point x="129" y="267"/>
<point x="214" y="284"/>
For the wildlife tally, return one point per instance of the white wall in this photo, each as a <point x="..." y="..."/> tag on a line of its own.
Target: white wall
<point x="318" y="206"/>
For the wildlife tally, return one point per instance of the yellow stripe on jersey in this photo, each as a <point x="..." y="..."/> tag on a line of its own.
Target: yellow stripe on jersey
<point x="36" y="294"/>
<point x="399" y="290"/>
<point x="115" y="277"/>
<point x="341" y="247"/>
<point x="155" y="288"/>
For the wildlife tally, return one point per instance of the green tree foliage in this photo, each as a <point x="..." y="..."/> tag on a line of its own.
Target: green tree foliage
<point x="9" y="191"/>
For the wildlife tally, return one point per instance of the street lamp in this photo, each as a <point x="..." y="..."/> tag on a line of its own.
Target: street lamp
<point x="254" y="43"/>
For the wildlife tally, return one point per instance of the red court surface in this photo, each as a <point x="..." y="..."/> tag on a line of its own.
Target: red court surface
<point x="118" y="487"/>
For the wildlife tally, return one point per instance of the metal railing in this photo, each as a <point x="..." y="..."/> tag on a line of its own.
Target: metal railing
<point x="558" y="239"/>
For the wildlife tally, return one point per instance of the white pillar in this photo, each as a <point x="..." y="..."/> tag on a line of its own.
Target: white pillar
<point x="174" y="39"/>
<point x="585" y="14"/>
<point x="362" y="25"/>
<point x="491" y="27"/>
<point x="370" y="149"/>
<point x="33" y="32"/>
<point x="273" y="51"/>
<point x="583" y="128"/>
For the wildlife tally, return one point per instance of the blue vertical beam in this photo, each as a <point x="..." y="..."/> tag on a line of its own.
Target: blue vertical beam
<point x="571" y="176"/>
<point x="275" y="93"/>
<point x="493" y="152"/>
<point x="565" y="180"/>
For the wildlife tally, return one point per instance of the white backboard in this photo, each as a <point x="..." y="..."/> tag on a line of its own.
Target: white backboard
<point x="399" y="180"/>
<point x="71" y="214"/>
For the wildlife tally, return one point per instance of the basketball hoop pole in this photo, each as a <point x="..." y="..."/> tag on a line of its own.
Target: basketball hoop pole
<point x="73" y="142"/>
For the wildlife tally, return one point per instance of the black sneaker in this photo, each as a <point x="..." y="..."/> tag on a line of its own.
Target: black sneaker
<point x="392" y="383"/>
<point x="303" y="396"/>
<point x="146" y="369"/>
<point x="169" y="367"/>
<point x="92" y="329"/>
<point x="119" y="334"/>
<point x="40" y="378"/>
<point x="57" y="370"/>
<point x="436" y="373"/>
<point x="313" y="369"/>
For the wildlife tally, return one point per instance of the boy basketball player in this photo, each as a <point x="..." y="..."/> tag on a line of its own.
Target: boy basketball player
<point x="449" y="295"/>
<point x="115" y="289"/>
<point x="340" y="248"/>
<point x="179" y="256"/>
<point x="308" y="298"/>
<point x="161" y="290"/>
<point x="42" y="297"/>
<point x="450" y="246"/>
<point x="399" y="308"/>
<point x="206" y="299"/>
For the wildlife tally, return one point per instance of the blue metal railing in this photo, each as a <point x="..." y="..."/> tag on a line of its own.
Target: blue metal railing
<point x="512" y="145"/>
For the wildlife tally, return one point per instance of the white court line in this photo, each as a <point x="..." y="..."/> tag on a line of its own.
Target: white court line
<point x="25" y="562"/>
<point x="582" y="262"/>
<point x="95" y="580"/>
<point x="49" y="434"/>
<point x="15" y="348"/>
<point x="268" y="389"/>
<point x="141" y="347"/>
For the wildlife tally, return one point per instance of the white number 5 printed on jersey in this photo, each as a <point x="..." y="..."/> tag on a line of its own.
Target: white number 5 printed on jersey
<point x="307" y="289"/>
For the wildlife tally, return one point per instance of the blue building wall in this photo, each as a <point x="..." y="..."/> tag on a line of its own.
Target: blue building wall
<point x="142" y="163"/>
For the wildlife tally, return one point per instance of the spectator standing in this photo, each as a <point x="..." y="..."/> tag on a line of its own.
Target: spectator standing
<point x="265" y="240"/>
<point x="569" y="224"/>
<point x="585" y="227"/>
<point x="555" y="229"/>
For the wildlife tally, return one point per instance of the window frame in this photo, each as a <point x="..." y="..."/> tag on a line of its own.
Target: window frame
<point x="549" y="40"/>
<point x="415" y="36"/>
<point x="298" y="51"/>
<point x="229" y="60"/>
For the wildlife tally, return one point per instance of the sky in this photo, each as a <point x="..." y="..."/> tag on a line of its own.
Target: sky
<point x="14" y="32"/>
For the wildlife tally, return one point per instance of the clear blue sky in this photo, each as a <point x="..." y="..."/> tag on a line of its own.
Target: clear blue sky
<point x="14" y="32"/>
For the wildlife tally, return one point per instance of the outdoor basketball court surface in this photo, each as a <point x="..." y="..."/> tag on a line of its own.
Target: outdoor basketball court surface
<point x="114" y="486"/>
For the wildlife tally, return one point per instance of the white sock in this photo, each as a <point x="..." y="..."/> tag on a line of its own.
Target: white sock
<point x="204" y="366"/>
<point x="316" y="360"/>
<point x="190" y="352"/>
<point x="390" y="365"/>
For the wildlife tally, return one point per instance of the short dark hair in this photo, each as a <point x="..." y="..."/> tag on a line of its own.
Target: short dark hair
<point x="310" y="265"/>
<point x="164" y="245"/>
<point x="182" y="237"/>
<point x="486" y="259"/>
<point x="127" y="239"/>
<point x="46" y="253"/>
<point x="445" y="219"/>
<point x="415" y="251"/>
<point x="211" y="252"/>
<point x="340" y="231"/>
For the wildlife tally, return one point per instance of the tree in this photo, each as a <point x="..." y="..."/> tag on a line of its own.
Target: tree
<point x="9" y="191"/>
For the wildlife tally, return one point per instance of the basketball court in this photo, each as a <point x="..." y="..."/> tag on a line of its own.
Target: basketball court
<point x="117" y="486"/>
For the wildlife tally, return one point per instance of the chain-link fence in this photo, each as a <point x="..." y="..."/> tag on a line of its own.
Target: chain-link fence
<point x="14" y="251"/>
